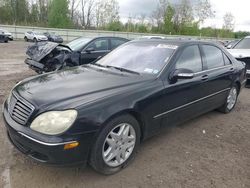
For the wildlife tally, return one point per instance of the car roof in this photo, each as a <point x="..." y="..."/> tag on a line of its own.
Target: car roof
<point x="93" y="38"/>
<point x="176" y="42"/>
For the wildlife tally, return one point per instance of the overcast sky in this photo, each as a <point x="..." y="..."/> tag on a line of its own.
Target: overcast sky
<point x="239" y="8"/>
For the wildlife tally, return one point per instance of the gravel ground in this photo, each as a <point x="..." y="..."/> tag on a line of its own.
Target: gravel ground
<point x="210" y="151"/>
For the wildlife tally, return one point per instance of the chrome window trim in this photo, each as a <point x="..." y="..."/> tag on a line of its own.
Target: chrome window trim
<point x="216" y="68"/>
<point x="45" y="143"/>
<point x="182" y="106"/>
<point x="99" y="51"/>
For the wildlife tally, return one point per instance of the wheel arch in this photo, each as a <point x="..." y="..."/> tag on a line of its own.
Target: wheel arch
<point x="132" y="113"/>
<point x="237" y="83"/>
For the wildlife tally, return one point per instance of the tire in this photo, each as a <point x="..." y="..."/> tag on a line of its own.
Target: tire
<point x="35" y="40"/>
<point x="125" y="151"/>
<point x="231" y="100"/>
<point x="26" y="39"/>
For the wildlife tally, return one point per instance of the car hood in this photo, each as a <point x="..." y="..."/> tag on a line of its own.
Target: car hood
<point x="76" y="86"/>
<point x="39" y="50"/>
<point x="7" y="33"/>
<point x="239" y="53"/>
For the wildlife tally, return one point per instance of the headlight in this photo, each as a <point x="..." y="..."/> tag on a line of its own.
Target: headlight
<point x="54" y="122"/>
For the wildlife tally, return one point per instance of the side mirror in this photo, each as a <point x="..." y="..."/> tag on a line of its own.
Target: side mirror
<point x="180" y="74"/>
<point x="89" y="50"/>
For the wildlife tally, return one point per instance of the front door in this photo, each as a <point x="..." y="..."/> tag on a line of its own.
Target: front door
<point x="182" y="99"/>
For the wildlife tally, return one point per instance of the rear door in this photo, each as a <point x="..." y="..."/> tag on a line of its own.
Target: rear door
<point x="218" y="71"/>
<point x="115" y="42"/>
<point x="97" y="48"/>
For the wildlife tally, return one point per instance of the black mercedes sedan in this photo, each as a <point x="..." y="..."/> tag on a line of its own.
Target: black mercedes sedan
<point x="100" y="113"/>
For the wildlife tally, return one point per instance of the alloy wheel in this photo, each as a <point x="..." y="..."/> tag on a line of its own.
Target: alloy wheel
<point x="119" y="145"/>
<point x="231" y="99"/>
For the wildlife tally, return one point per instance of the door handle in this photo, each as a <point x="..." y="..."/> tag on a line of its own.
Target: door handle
<point x="204" y="77"/>
<point x="231" y="69"/>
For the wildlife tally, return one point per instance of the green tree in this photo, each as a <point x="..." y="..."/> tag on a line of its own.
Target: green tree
<point x="115" y="26"/>
<point x="59" y="14"/>
<point x="34" y="14"/>
<point x="168" y="19"/>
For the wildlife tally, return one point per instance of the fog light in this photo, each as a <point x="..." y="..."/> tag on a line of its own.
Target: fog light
<point x="71" y="145"/>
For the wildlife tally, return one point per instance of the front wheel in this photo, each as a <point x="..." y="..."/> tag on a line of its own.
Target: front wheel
<point x="116" y="145"/>
<point x="230" y="101"/>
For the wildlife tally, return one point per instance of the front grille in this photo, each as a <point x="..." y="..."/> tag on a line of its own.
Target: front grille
<point x="19" y="109"/>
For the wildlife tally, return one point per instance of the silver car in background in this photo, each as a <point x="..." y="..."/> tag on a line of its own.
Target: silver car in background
<point x="241" y="51"/>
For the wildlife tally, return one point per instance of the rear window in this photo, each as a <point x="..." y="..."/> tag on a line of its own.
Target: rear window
<point x="213" y="56"/>
<point x="116" y="42"/>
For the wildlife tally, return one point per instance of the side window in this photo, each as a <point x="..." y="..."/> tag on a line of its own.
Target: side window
<point x="226" y="60"/>
<point x="115" y="43"/>
<point x="213" y="56"/>
<point x="190" y="59"/>
<point x="99" y="45"/>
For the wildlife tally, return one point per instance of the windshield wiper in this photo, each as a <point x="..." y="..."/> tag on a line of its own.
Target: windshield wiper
<point x="117" y="68"/>
<point x="122" y="69"/>
<point x="97" y="64"/>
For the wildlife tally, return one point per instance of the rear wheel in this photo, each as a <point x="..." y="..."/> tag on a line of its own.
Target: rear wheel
<point x="26" y="39"/>
<point x="116" y="145"/>
<point x="231" y="100"/>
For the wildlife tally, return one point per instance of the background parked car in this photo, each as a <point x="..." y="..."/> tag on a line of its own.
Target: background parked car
<point x="34" y="36"/>
<point x="53" y="37"/>
<point x="8" y="34"/>
<point x="3" y="37"/>
<point x="241" y="51"/>
<point x="232" y="43"/>
<point x="152" y="37"/>
<point x="46" y="57"/>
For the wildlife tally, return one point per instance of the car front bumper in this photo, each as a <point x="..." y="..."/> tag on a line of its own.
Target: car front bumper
<point x="42" y="149"/>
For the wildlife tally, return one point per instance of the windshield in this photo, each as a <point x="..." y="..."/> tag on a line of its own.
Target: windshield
<point x="243" y="44"/>
<point x="139" y="57"/>
<point x="77" y="44"/>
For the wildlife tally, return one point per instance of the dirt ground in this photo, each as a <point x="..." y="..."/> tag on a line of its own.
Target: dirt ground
<point x="210" y="151"/>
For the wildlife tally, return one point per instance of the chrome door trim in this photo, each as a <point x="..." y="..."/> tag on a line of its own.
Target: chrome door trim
<point x="182" y="106"/>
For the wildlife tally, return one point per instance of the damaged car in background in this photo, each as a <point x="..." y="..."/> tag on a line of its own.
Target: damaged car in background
<point x="50" y="56"/>
<point x="241" y="51"/>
